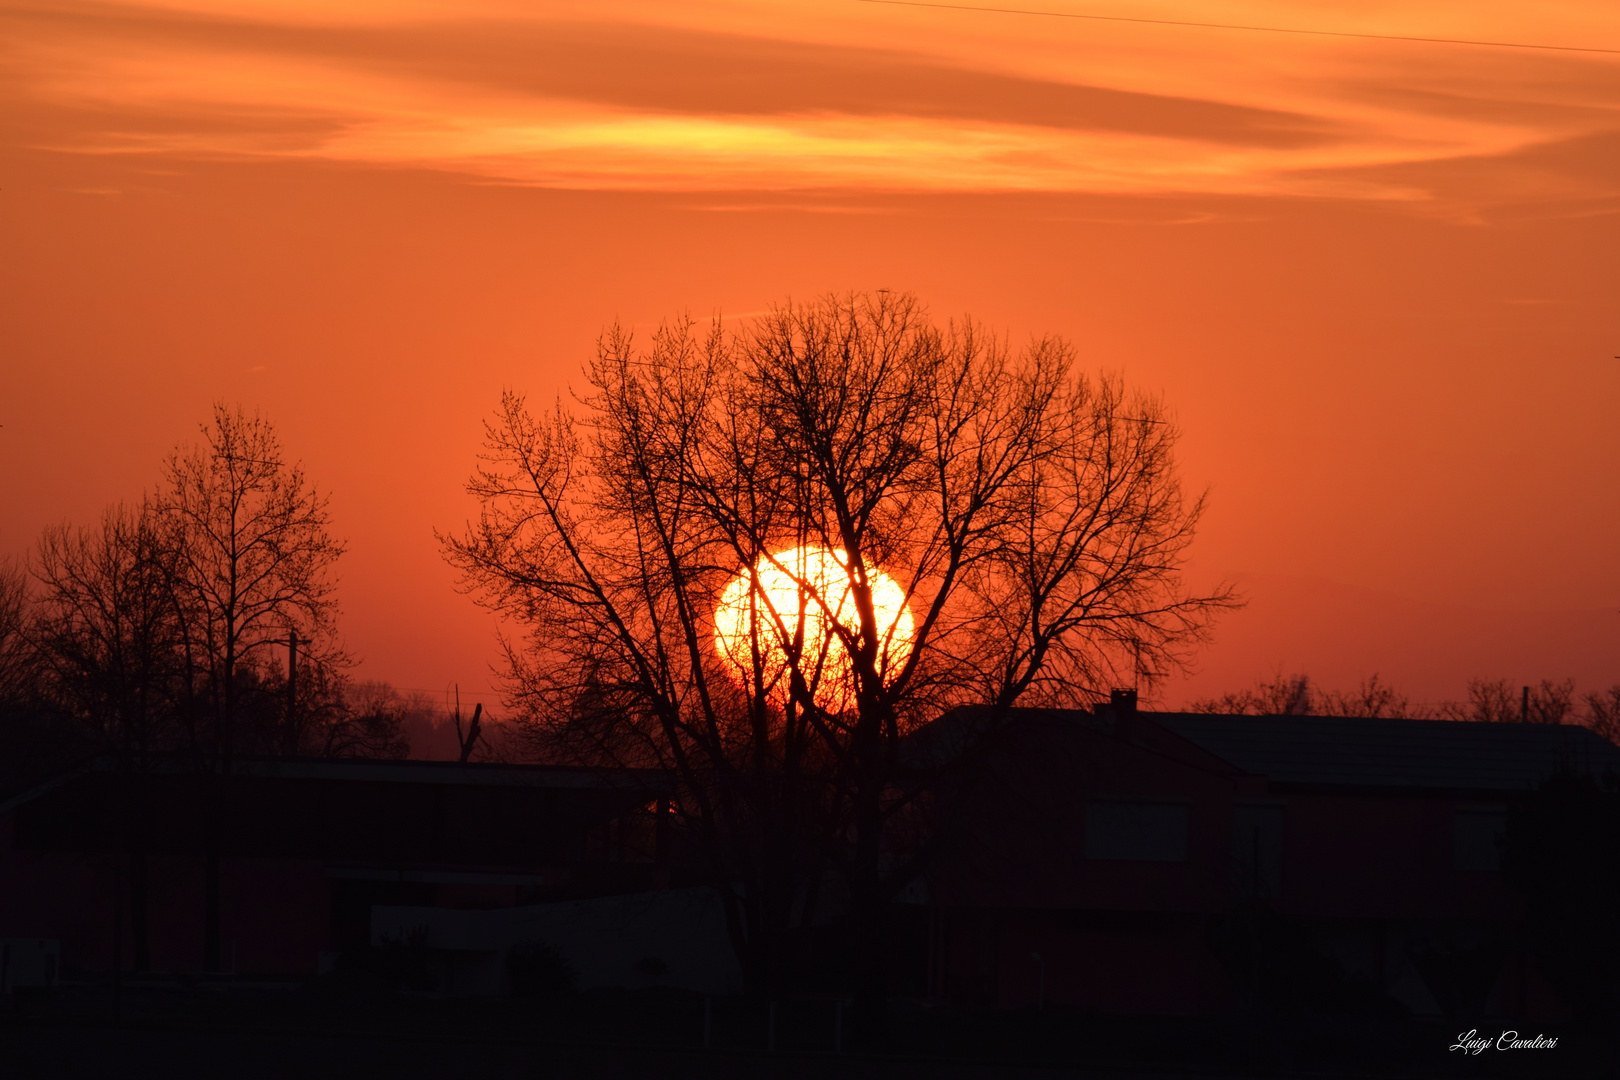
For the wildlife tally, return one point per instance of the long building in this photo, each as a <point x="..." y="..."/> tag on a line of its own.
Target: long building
<point x="1176" y="863"/>
<point x="1106" y="859"/>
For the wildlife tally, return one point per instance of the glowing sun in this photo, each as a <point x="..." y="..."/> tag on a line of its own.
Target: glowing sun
<point x="816" y="581"/>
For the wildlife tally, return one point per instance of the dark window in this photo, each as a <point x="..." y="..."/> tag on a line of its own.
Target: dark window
<point x="1256" y="850"/>
<point x="1477" y="833"/>
<point x="1138" y="831"/>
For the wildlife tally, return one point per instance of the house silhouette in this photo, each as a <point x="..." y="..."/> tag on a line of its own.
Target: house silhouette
<point x="1108" y="859"/>
<point x="1175" y="863"/>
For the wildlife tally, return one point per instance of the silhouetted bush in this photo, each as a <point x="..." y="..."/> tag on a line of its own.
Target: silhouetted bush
<point x="404" y="961"/>
<point x="537" y="969"/>
<point x="1275" y="962"/>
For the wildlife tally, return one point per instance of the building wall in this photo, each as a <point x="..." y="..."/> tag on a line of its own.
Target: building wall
<point x="275" y="914"/>
<point x="1383" y="856"/>
<point x="672" y="938"/>
<point x="1024" y="839"/>
<point x="1394" y="891"/>
<point x="1118" y="962"/>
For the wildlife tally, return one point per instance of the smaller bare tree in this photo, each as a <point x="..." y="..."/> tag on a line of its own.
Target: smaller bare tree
<point x="1281" y="695"/>
<point x="1603" y="713"/>
<point x="108" y="631"/>
<point x="108" y="636"/>
<point x="254" y="560"/>
<point x="1498" y="701"/>
<point x="254" y="556"/>
<point x="36" y="740"/>
<point x="367" y="720"/>
<point x="1372" y="698"/>
<point x="16" y="654"/>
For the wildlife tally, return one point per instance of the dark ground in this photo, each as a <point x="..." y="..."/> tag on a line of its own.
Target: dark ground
<point x="350" y="1026"/>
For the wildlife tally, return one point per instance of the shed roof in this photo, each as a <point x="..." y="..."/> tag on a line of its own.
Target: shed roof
<point x="380" y="771"/>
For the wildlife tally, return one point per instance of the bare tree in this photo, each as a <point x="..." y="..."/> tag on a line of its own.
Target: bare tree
<point x="1498" y="701"/>
<point x="367" y="720"/>
<point x="16" y="654"/>
<point x="953" y="523"/>
<point x="108" y="630"/>
<point x="1548" y="702"/>
<point x="108" y="636"/>
<point x="36" y="739"/>
<point x="255" y="554"/>
<point x="254" y="560"/>
<point x="1491" y="701"/>
<point x="1281" y="695"/>
<point x="1372" y="698"/>
<point x="1603" y="712"/>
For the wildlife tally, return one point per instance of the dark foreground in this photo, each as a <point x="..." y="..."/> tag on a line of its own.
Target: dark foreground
<point x="347" y="1027"/>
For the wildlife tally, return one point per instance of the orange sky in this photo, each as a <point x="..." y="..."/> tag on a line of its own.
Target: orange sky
<point x="1376" y="280"/>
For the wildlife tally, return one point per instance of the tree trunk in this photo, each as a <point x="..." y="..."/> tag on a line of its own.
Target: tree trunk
<point x="868" y="904"/>
<point x="211" y="961"/>
<point x="137" y="910"/>
<point x="211" y="910"/>
<point x="870" y="1028"/>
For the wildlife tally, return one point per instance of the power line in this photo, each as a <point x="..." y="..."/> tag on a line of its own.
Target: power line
<point x="1240" y="26"/>
<point x="424" y="690"/>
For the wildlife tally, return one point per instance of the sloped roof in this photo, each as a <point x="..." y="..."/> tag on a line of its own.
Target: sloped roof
<point x="946" y="738"/>
<point x="384" y="771"/>
<point x="1382" y="753"/>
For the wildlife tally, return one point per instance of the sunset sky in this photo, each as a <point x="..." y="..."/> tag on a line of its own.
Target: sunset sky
<point x="1377" y="281"/>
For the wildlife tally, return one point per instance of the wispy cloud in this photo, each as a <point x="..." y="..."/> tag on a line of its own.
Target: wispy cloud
<point x="813" y="95"/>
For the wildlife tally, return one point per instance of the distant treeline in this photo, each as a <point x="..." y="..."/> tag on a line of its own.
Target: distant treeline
<point x="1495" y="701"/>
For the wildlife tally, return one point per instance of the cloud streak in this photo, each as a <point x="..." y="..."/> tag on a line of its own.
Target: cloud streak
<point x="718" y="103"/>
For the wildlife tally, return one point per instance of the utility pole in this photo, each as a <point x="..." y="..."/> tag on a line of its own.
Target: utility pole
<point x="290" y="738"/>
<point x="292" y="675"/>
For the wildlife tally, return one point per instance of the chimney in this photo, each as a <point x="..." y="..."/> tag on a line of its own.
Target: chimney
<point x="1123" y="702"/>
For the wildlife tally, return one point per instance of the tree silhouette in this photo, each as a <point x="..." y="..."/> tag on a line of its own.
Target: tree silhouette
<point x="108" y="635"/>
<point x="1498" y="701"/>
<point x="108" y="628"/>
<point x="253" y="561"/>
<point x="36" y="739"/>
<point x="1281" y="695"/>
<point x="16" y="654"/>
<point x="1603" y="712"/>
<point x="366" y="720"/>
<point x="1030" y="516"/>
<point x="1298" y="695"/>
